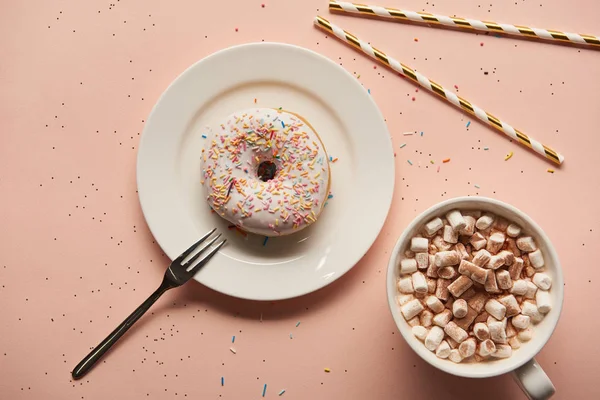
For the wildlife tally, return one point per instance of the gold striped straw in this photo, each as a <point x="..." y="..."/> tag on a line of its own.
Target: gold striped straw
<point x="464" y="23"/>
<point x="436" y="88"/>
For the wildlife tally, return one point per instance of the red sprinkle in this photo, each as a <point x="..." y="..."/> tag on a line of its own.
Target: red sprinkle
<point x="455" y="86"/>
<point x="263" y="5"/>
<point x="481" y="44"/>
<point x="417" y="90"/>
<point x="374" y="66"/>
<point x="413" y="99"/>
<point x="236" y="29"/>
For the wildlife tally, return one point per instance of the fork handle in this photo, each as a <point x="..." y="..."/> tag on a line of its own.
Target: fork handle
<point x="88" y="362"/>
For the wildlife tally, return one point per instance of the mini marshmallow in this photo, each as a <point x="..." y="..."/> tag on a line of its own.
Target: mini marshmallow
<point x="496" y="261"/>
<point x="543" y="301"/>
<point x="431" y="285"/>
<point x="500" y="224"/>
<point x="459" y="308"/>
<point x="441" y="291"/>
<point x="519" y="287"/>
<point x="419" y="332"/>
<point x="513" y="230"/>
<point x="495" y="309"/>
<point x="469" y="228"/>
<point x="515" y="269"/>
<point x="526" y="244"/>
<point x="502" y="351"/>
<point x="511" y="304"/>
<point x="472" y="213"/>
<point x="514" y="343"/>
<point x="485" y="221"/>
<point x="531" y="310"/>
<point x="455" y="356"/>
<point x="447" y="258"/>
<point x="521" y="321"/>
<point x="541" y="280"/>
<point x="419" y="244"/>
<point x="497" y="332"/>
<point x="525" y="335"/>
<point x="456" y="332"/>
<point x="409" y="254"/>
<point x="456" y="220"/>
<point x="531" y="289"/>
<point x="426" y="318"/>
<point x="477" y="302"/>
<point x="432" y="270"/>
<point x="440" y="244"/>
<point x="422" y="260"/>
<point x="481" y="331"/>
<point x="510" y="330"/>
<point x="467" y="348"/>
<point x="481" y="258"/>
<point x="433" y="226"/>
<point x="511" y="245"/>
<point x="467" y="320"/>
<point x="411" y="309"/>
<point x="491" y="286"/>
<point x="486" y="348"/>
<point x="495" y="242"/>
<point x="434" y="304"/>
<point x="478" y="241"/>
<point x="442" y="318"/>
<point x="472" y="271"/>
<point x="509" y="257"/>
<point x="408" y="266"/>
<point x="419" y="282"/>
<point x="460" y="285"/>
<point x="414" y="322"/>
<point x="537" y="259"/>
<point x="503" y="279"/>
<point x="447" y="273"/>
<point x="443" y="350"/>
<point x="462" y="251"/>
<point x="404" y="298"/>
<point x="405" y="285"/>
<point x="450" y="235"/>
<point x="434" y="338"/>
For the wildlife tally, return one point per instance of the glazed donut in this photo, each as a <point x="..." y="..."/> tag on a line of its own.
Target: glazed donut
<point x="266" y="171"/>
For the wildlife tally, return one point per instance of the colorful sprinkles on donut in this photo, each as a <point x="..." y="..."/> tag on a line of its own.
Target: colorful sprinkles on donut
<point x="266" y="171"/>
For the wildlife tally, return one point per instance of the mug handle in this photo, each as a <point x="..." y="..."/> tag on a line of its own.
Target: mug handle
<point x="533" y="381"/>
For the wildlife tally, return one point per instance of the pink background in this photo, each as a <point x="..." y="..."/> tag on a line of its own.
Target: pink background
<point x="77" y="80"/>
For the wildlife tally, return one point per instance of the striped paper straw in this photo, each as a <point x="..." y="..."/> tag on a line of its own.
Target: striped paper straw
<point x="464" y="23"/>
<point x="436" y="88"/>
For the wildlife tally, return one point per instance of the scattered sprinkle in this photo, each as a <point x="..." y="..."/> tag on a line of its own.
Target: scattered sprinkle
<point x="414" y="98"/>
<point x="431" y="161"/>
<point x="374" y="66"/>
<point x="264" y="390"/>
<point x="298" y="324"/>
<point x="486" y="148"/>
<point x="282" y="392"/>
<point x="416" y="39"/>
<point x="263" y="5"/>
<point x="402" y="145"/>
<point x="497" y="35"/>
<point x="330" y="196"/>
<point x="417" y="90"/>
<point x="327" y="370"/>
<point x="421" y="133"/>
<point x="456" y="87"/>
<point x="508" y="156"/>
<point x="233" y="339"/>
<point x="410" y="162"/>
<point x="203" y="136"/>
<point x="477" y="186"/>
<point x="232" y="350"/>
<point x="236" y="29"/>
<point x="358" y="77"/>
<point x="222" y="381"/>
<point x="265" y="241"/>
<point x="468" y="124"/>
<point x="254" y="101"/>
<point x="291" y="336"/>
<point x="438" y="170"/>
<point x="481" y="44"/>
<point x="330" y="158"/>
<point x="408" y="133"/>
<point x="369" y="90"/>
<point x="282" y="124"/>
<point x="446" y="160"/>
<point x="550" y="170"/>
<point x="334" y="160"/>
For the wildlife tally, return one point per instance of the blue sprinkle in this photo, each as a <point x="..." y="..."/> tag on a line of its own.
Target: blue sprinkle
<point x="402" y="145"/>
<point x="265" y="241"/>
<point x="203" y="136"/>
<point x="282" y="124"/>
<point x="330" y="158"/>
<point x="233" y="339"/>
<point x="222" y="381"/>
<point x="282" y="392"/>
<point x="468" y="123"/>
<point x="410" y="162"/>
<point x="264" y="390"/>
<point x="421" y="133"/>
<point x="330" y="196"/>
<point x="369" y="90"/>
<point x="497" y="35"/>
<point x="298" y="324"/>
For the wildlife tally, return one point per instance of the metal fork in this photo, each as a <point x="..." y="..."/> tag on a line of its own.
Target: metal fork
<point x="178" y="273"/>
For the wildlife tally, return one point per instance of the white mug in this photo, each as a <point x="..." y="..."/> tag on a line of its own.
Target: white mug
<point x="528" y="374"/>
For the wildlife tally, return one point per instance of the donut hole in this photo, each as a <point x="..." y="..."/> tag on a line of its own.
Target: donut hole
<point x="266" y="171"/>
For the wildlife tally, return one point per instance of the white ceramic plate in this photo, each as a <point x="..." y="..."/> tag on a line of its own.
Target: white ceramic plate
<point x="349" y="124"/>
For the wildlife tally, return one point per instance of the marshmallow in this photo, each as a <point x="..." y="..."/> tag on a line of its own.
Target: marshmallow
<point x="459" y="308"/>
<point x="460" y="285"/>
<point x="426" y="318"/>
<point x="515" y="269"/>
<point x="446" y="258"/>
<point x="532" y="311"/>
<point x="467" y="348"/>
<point x="510" y="330"/>
<point x="442" y="318"/>
<point x="419" y="244"/>
<point x="500" y="224"/>
<point x="405" y="285"/>
<point x="450" y="235"/>
<point x="526" y="244"/>
<point x="441" y="291"/>
<point x="497" y="332"/>
<point x="422" y="260"/>
<point x="456" y="332"/>
<point x="502" y="351"/>
<point x="514" y="343"/>
<point x="469" y="228"/>
<point x="419" y="332"/>
<point x="541" y="280"/>
<point x="529" y="271"/>
<point x="491" y="286"/>
<point x="485" y="221"/>
<point x="481" y="331"/>
<point x="456" y="220"/>
<point x="481" y="258"/>
<point x="404" y="298"/>
<point x="443" y="350"/>
<point x="496" y="261"/>
<point x="520" y="321"/>
<point x="440" y="244"/>
<point x="431" y="285"/>
<point x="434" y="304"/>
<point x="472" y="213"/>
<point x="472" y="271"/>
<point x="503" y="279"/>
<point x="409" y="254"/>
<point x="433" y="226"/>
<point x="477" y="302"/>
<point x="486" y="348"/>
<point x="495" y="242"/>
<point x="434" y="338"/>
<point x="511" y="245"/>
<point x="414" y="322"/>
<point x="455" y="356"/>
<point x="467" y="320"/>
<point x="462" y="251"/>
<point x="419" y="282"/>
<point x="495" y="309"/>
<point x="432" y="270"/>
<point x="513" y="230"/>
<point x="519" y="287"/>
<point x="478" y="241"/>
<point x="525" y="335"/>
<point x="411" y="309"/>
<point x="447" y="273"/>
<point x="537" y="259"/>
<point x="511" y="304"/>
<point x="420" y="295"/>
<point x="543" y="301"/>
<point x="408" y="265"/>
<point x="531" y="289"/>
<point x="509" y="257"/>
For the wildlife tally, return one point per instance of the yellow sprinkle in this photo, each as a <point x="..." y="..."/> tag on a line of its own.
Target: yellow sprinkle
<point x="508" y="156"/>
<point x="327" y="370"/>
<point x="431" y="161"/>
<point x="550" y="170"/>
<point x="317" y="175"/>
<point x="276" y="222"/>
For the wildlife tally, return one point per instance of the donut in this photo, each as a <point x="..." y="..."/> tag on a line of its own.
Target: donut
<point x="266" y="171"/>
